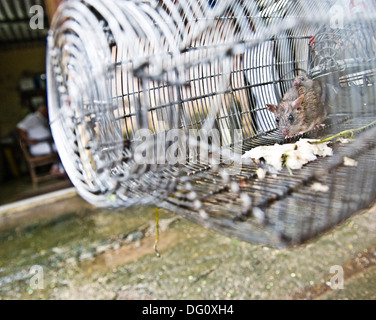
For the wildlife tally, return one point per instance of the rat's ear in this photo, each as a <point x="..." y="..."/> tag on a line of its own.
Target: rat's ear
<point x="298" y="102"/>
<point x="272" y="108"/>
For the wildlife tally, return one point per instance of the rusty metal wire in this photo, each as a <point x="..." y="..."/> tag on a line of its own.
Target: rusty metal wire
<point x="153" y="102"/>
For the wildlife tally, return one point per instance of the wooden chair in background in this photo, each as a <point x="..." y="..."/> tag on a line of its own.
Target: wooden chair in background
<point x="33" y="162"/>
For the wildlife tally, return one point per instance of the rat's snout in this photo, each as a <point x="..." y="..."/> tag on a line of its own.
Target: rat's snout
<point x="296" y="83"/>
<point x="285" y="132"/>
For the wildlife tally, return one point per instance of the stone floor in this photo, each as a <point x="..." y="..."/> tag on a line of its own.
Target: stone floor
<point x="90" y="253"/>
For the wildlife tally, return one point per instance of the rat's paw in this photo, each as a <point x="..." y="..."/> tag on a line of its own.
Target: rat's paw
<point x="318" y="126"/>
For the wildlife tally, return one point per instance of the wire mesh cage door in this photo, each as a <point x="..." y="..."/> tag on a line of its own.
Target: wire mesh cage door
<point x="154" y="102"/>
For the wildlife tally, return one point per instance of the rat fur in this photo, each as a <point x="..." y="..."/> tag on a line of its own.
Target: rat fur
<point x="302" y="107"/>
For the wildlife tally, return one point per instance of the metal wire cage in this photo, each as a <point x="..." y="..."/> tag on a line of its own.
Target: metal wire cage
<point x="154" y="102"/>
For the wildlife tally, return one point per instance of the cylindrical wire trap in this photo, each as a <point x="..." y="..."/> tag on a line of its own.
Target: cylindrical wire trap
<point x="154" y="102"/>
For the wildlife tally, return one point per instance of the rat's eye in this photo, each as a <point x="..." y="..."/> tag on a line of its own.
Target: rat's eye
<point x="277" y="119"/>
<point x="302" y="78"/>
<point x="291" y="118"/>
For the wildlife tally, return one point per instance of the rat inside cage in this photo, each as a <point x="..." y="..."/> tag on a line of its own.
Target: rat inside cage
<point x="154" y="102"/>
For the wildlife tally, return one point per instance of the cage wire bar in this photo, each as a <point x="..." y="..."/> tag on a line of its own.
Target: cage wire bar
<point x="154" y="102"/>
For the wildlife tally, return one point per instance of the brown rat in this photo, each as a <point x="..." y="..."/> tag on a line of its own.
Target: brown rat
<point x="304" y="84"/>
<point x="301" y="109"/>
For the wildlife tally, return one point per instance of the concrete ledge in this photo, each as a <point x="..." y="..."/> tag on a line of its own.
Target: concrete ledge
<point x="37" y="201"/>
<point x="44" y="206"/>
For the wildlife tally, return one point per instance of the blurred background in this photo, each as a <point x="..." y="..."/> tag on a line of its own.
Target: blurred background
<point x="23" y="29"/>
